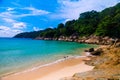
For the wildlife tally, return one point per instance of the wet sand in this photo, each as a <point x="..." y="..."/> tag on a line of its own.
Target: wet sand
<point x="56" y="71"/>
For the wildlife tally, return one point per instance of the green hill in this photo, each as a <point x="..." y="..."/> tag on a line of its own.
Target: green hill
<point x="104" y="23"/>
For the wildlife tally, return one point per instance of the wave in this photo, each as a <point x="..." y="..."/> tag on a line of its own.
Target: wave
<point x="45" y="65"/>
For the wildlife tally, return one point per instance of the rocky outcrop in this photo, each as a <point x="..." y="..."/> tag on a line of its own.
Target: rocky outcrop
<point x="105" y="74"/>
<point x="97" y="52"/>
<point x="90" y="39"/>
<point x="107" y="65"/>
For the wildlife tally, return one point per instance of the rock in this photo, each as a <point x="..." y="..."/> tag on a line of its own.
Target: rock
<point x="100" y="74"/>
<point x="86" y="50"/>
<point x="97" y="52"/>
<point x="117" y="45"/>
<point x="39" y="38"/>
<point x="91" y="49"/>
<point x="107" y="65"/>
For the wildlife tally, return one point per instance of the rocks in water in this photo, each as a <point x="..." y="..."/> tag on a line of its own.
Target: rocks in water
<point x="65" y="57"/>
<point x="94" y="52"/>
<point x="91" y="49"/>
<point x="97" y="52"/>
<point x="86" y="50"/>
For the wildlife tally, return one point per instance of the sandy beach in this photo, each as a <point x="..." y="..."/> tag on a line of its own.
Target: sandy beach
<point x="56" y="71"/>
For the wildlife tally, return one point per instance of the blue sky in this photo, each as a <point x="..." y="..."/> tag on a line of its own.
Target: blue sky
<point x="18" y="16"/>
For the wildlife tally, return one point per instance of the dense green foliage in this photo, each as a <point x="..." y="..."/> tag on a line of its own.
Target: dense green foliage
<point x="28" y="34"/>
<point x="104" y="23"/>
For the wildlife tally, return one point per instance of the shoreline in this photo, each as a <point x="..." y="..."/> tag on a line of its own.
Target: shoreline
<point x="92" y="39"/>
<point x="41" y="66"/>
<point x="24" y="70"/>
<point x="58" y="66"/>
<point x="11" y="70"/>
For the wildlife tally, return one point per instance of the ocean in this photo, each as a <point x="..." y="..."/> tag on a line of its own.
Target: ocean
<point x="21" y="54"/>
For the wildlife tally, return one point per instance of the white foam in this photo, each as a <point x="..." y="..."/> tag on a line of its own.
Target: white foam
<point x="55" y="62"/>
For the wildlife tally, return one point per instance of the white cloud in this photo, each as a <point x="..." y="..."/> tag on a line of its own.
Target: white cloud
<point x="36" y="28"/>
<point x="67" y="20"/>
<point x="51" y="27"/>
<point x="13" y="13"/>
<point x="35" y="11"/>
<point x="10" y="17"/>
<point x="17" y="31"/>
<point x="8" y="32"/>
<point x="70" y="9"/>
<point x="4" y="28"/>
<point x="10" y="9"/>
<point x="7" y="14"/>
<point x="9" y="20"/>
<point x="15" y="24"/>
<point x="19" y="25"/>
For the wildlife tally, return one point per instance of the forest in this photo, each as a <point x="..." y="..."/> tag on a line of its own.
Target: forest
<point x="104" y="23"/>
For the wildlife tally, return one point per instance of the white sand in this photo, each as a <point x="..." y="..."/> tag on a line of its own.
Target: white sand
<point x="56" y="71"/>
<point x="67" y="72"/>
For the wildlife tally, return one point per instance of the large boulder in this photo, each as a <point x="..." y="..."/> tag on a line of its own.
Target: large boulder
<point x="97" y="52"/>
<point x="91" y="49"/>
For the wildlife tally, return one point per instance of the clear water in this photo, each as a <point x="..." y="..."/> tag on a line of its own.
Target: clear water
<point x="18" y="54"/>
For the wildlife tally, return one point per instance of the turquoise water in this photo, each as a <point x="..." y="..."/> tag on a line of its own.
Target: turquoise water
<point x="18" y="54"/>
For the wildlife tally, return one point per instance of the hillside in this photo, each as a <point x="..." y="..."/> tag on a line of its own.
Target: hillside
<point x="104" y="23"/>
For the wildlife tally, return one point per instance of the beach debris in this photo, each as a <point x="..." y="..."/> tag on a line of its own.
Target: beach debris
<point x="66" y="57"/>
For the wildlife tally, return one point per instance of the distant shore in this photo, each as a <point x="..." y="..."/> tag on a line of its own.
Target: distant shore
<point x="56" y="71"/>
<point x="99" y="40"/>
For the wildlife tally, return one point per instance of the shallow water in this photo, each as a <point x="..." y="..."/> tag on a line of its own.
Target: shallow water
<point x="19" y="54"/>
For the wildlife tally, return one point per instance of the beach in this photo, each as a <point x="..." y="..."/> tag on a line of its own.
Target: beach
<point x="56" y="71"/>
<point x="59" y="40"/>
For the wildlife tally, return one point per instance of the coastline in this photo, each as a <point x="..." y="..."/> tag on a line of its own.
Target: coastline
<point x="99" y="40"/>
<point x="64" y="68"/>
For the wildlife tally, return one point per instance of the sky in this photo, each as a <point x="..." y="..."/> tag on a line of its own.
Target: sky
<point x="18" y="16"/>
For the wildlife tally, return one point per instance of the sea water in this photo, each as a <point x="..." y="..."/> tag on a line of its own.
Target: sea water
<point x="20" y="54"/>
